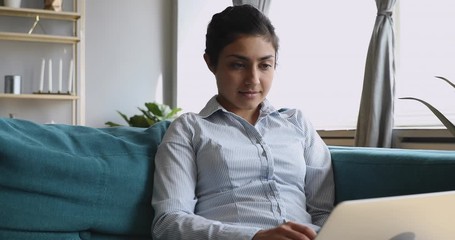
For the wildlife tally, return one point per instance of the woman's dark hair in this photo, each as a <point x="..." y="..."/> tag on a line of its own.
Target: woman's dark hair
<point x="228" y="25"/>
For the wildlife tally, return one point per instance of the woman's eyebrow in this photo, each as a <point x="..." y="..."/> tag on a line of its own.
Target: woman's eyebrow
<point x="267" y="57"/>
<point x="247" y="59"/>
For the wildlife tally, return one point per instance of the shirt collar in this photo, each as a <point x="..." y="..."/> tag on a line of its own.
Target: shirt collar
<point x="213" y="106"/>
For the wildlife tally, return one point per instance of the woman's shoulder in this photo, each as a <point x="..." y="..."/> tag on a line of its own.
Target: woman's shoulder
<point x="187" y="117"/>
<point x="295" y="116"/>
<point x="180" y="127"/>
<point x="186" y="121"/>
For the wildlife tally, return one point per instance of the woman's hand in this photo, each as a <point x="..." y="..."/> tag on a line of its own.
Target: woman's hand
<point x="288" y="231"/>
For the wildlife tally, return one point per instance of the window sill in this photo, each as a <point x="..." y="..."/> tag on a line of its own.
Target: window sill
<point x="406" y="138"/>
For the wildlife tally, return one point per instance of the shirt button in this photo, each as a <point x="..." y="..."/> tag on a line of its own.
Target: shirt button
<point x="264" y="153"/>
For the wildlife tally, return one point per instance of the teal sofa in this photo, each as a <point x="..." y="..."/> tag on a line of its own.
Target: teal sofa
<point x="74" y="182"/>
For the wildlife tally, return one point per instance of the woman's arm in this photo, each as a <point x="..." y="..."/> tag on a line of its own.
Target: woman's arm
<point x="319" y="183"/>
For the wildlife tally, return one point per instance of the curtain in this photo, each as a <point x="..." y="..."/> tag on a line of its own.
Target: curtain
<point x="375" y="119"/>
<point x="261" y="5"/>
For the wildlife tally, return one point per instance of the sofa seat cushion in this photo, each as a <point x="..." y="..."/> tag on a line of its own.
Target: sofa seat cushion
<point x="380" y="172"/>
<point x="63" y="178"/>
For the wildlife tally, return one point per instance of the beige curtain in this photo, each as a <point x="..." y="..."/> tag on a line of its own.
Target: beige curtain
<point x="375" y="119"/>
<point x="261" y="5"/>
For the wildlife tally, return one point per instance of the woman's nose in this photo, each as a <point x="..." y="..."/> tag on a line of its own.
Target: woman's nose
<point x="253" y="76"/>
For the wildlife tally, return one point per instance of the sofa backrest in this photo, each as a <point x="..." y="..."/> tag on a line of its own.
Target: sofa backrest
<point x="380" y="172"/>
<point x="75" y="182"/>
<point x="57" y="181"/>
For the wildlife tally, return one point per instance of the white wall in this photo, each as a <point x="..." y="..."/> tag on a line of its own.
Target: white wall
<point x="128" y="48"/>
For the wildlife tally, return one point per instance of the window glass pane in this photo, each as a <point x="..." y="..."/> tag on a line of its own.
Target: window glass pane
<point x="322" y="58"/>
<point x="426" y="49"/>
<point x="196" y="84"/>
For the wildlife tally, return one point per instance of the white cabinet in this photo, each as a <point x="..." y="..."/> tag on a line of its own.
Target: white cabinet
<point x="30" y="35"/>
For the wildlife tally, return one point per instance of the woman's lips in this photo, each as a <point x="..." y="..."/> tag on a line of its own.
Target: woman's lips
<point x="249" y="94"/>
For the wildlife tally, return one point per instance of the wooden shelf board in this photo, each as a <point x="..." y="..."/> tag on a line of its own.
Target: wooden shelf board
<point x="38" y="96"/>
<point x="42" y="13"/>
<point x="38" y="38"/>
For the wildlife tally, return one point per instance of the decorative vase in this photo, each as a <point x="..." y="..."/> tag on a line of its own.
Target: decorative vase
<point x="12" y="3"/>
<point x="54" y="5"/>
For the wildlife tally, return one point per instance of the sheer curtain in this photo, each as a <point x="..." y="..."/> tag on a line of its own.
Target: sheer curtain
<point x="262" y="5"/>
<point x="375" y="119"/>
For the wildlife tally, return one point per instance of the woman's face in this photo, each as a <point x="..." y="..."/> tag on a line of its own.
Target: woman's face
<point x="244" y="74"/>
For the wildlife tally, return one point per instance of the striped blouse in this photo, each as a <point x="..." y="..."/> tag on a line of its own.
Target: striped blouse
<point x="219" y="177"/>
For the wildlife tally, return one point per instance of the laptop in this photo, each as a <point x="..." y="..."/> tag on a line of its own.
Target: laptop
<point x="429" y="216"/>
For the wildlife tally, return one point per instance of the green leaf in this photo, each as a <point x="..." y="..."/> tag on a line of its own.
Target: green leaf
<point x="112" y="124"/>
<point x="173" y="113"/>
<point x="124" y="116"/>
<point x="445" y="79"/>
<point x="151" y="118"/>
<point x="447" y="123"/>
<point x="154" y="108"/>
<point x="139" y="121"/>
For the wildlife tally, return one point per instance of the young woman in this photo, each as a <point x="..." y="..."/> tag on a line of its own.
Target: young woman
<point x="240" y="169"/>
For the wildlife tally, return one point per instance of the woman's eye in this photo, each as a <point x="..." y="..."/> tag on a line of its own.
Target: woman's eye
<point x="265" y="66"/>
<point x="237" y="65"/>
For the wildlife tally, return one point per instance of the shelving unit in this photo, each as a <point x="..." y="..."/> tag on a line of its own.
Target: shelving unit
<point x="76" y="98"/>
<point x="39" y="96"/>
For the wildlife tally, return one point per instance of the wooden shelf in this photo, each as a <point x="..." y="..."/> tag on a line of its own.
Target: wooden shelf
<point x="38" y="96"/>
<point x="72" y="25"/>
<point x="38" y="38"/>
<point x="45" y="14"/>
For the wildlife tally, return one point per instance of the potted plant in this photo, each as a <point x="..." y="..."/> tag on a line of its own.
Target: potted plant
<point x="153" y="113"/>
<point x="447" y="123"/>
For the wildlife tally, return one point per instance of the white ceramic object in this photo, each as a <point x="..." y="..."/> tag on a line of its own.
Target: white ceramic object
<point x="12" y="3"/>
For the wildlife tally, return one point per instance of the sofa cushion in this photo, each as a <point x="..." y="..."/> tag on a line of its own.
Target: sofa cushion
<point x="380" y="172"/>
<point x="64" y="179"/>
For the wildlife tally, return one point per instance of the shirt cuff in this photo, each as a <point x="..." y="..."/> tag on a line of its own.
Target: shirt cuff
<point x="230" y="232"/>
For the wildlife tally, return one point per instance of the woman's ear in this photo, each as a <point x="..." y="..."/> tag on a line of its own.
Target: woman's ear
<point x="209" y="63"/>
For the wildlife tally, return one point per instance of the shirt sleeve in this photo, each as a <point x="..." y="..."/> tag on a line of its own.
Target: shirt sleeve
<point x="174" y="198"/>
<point x="319" y="182"/>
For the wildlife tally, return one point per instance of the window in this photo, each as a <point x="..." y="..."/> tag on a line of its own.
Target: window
<point x="322" y="55"/>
